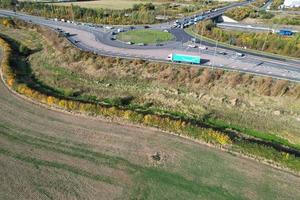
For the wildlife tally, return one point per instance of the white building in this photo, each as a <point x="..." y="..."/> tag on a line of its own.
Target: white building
<point x="291" y="4"/>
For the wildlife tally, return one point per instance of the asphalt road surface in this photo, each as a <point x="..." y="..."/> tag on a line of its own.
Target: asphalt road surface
<point x="98" y="40"/>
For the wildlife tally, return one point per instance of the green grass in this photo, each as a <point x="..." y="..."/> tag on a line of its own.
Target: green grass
<point x="145" y="36"/>
<point x="197" y="173"/>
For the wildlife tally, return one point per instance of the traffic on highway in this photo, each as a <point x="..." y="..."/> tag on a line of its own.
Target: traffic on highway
<point x="102" y="40"/>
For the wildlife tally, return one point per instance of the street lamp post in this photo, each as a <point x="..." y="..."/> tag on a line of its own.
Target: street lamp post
<point x="215" y="53"/>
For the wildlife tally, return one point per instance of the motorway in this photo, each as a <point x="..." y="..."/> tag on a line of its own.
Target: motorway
<point x="256" y="27"/>
<point x="98" y="40"/>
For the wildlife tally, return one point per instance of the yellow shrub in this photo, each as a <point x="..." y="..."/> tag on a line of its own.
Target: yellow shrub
<point x="63" y="103"/>
<point x="220" y="138"/>
<point x="51" y="100"/>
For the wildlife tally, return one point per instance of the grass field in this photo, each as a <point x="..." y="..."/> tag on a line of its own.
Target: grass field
<point x="145" y="36"/>
<point x="49" y="155"/>
<point x="108" y="4"/>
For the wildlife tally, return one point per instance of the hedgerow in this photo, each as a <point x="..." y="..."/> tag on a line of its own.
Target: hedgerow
<point x="175" y="125"/>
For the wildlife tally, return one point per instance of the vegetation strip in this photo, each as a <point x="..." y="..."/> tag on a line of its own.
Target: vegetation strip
<point x="177" y="124"/>
<point x="193" y="32"/>
<point x="273" y="43"/>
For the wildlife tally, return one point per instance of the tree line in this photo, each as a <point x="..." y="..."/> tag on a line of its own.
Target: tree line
<point x="139" y="14"/>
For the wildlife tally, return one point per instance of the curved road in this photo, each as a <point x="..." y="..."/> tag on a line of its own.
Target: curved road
<point x="98" y="41"/>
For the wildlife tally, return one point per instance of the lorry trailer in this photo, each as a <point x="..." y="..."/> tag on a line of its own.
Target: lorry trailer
<point x="180" y="58"/>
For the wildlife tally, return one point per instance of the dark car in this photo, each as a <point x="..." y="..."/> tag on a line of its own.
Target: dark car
<point x="222" y="53"/>
<point x="146" y="26"/>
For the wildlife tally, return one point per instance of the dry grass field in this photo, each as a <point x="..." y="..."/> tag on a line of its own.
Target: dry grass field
<point x="46" y="154"/>
<point x="108" y="4"/>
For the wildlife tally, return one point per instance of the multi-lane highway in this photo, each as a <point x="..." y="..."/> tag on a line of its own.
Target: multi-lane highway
<point x="98" y="40"/>
<point x="256" y="27"/>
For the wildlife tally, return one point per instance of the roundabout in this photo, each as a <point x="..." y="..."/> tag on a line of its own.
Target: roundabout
<point x="145" y="36"/>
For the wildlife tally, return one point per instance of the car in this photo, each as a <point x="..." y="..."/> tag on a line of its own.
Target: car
<point x="113" y="33"/>
<point x="63" y="20"/>
<point x="119" y="30"/>
<point x="203" y="47"/>
<point x="195" y="40"/>
<point x="240" y="54"/>
<point x="113" y="38"/>
<point x="192" y="46"/>
<point x="146" y="26"/>
<point x="76" y="41"/>
<point x="131" y="27"/>
<point x="130" y="43"/>
<point x="222" y="53"/>
<point x="108" y="27"/>
<point x="141" y="44"/>
<point x="159" y="44"/>
<point x="166" y="31"/>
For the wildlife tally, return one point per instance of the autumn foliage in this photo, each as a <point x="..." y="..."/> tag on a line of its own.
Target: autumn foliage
<point x="168" y="123"/>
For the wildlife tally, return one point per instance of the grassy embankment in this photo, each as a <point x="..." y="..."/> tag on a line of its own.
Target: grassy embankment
<point x="145" y="36"/>
<point x="264" y="42"/>
<point x="274" y="19"/>
<point x="132" y="102"/>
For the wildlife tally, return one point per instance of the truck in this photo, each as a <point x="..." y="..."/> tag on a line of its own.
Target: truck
<point x="180" y="58"/>
<point x="285" y="32"/>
